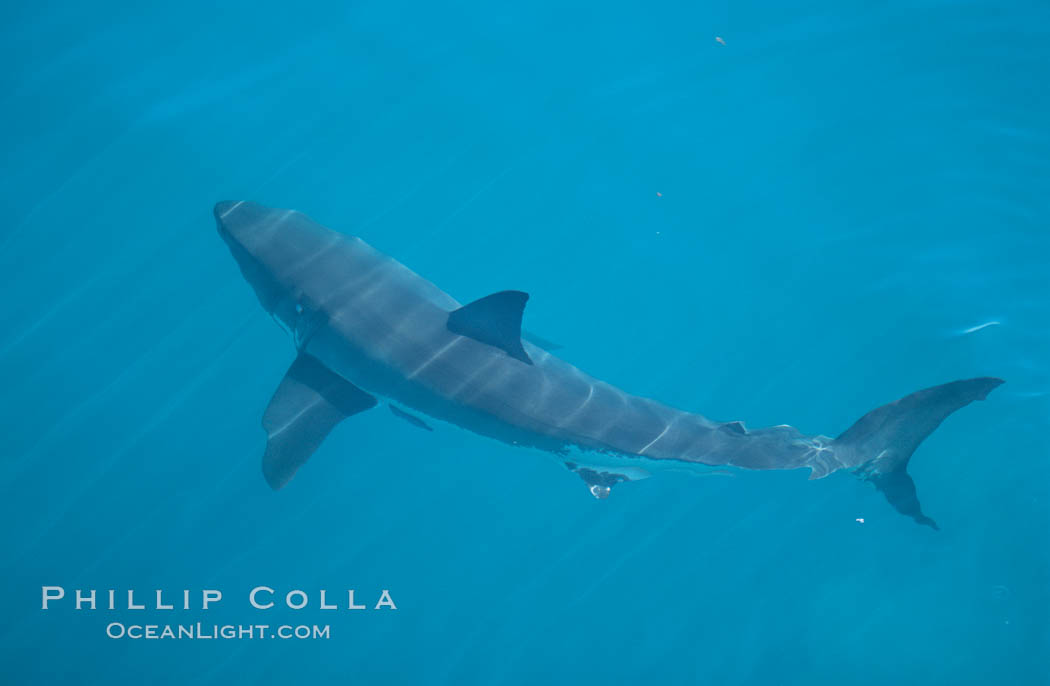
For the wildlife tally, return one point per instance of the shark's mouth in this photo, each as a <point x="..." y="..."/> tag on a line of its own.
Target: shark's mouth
<point x="266" y="287"/>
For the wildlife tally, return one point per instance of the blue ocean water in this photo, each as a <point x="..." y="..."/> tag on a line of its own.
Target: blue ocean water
<point x="796" y="226"/>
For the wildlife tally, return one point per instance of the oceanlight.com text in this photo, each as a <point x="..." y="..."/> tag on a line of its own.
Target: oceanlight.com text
<point x="201" y="631"/>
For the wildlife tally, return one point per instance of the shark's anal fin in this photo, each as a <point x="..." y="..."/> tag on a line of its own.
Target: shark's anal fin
<point x="410" y="418"/>
<point x="306" y="406"/>
<point x="495" y="320"/>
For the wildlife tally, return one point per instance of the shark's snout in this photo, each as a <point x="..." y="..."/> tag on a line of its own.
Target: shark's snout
<point x="223" y="208"/>
<point x="222" y="212"/>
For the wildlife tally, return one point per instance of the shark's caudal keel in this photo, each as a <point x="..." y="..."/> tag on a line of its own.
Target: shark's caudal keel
<point x="366" y="326"/>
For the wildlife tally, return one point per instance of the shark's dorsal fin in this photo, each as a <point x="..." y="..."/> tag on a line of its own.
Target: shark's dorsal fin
<point x="495" y="320"/>
<point x="734" y="428"/>
<point x="307" y="405"/>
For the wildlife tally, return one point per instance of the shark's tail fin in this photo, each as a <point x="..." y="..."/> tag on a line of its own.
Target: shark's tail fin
<point x="880" y="444"/>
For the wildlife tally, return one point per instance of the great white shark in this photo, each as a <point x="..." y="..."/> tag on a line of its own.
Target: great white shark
<point x="364" y="325"/>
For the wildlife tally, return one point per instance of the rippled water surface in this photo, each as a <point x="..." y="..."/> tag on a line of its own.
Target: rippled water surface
<point x="841" y="204"/>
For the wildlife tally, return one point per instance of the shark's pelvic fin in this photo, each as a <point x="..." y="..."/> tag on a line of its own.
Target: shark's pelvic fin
<point x="410" y="418"/>
<point x="882" y="441"/>
<point x="600" y="480"/>
<point x="495" y="320"/>
<point x="310" y="401"/>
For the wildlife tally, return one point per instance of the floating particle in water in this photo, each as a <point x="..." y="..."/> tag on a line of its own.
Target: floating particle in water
<point x="659" y="194"/>
<point x="975" y="329"/>
<point x="719" y="40"/>
<point x="1001" y="592"/>
<point x="860" y="520"/>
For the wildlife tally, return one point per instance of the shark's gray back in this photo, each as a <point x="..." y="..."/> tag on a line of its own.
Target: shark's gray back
<point x="385" y="329"/>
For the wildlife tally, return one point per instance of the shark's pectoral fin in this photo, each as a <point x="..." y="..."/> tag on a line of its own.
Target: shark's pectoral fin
<point x="495" y="320"/>
<point x="310" y="401"/>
